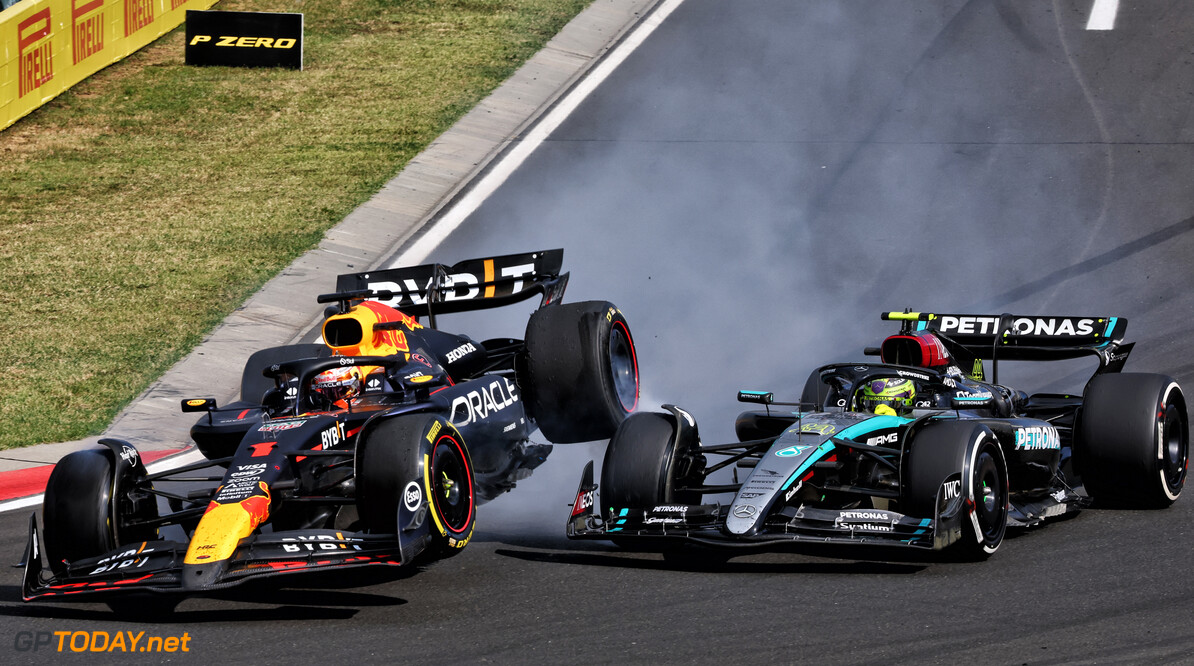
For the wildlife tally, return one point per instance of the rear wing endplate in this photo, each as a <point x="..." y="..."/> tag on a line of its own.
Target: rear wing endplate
<point x="473" y="284"/>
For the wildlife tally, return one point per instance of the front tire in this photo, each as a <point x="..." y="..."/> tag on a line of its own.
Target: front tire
<point x="646" y="462"/>
<point x="581" y="371"/>
<point x="970" y="453"/>
<point x="417" y="460"/>
<point x="77" y="508"/>
<point x="452" y="499"/>
<point x="1133" y="440"/>
<point x="93" y="504"/>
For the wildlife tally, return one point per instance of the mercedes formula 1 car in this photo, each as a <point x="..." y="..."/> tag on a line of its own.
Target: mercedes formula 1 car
<point x="373" y="448"/>
<point x="918" y="450"/>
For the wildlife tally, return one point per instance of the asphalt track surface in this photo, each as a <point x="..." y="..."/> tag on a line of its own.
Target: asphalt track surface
<point x="752" y="187"/>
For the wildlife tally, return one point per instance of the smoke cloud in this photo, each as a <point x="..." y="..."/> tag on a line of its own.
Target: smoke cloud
<point x="756" y="184"/>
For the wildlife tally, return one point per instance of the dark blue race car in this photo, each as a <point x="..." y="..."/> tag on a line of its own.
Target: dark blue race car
<point x="373" y="448"/>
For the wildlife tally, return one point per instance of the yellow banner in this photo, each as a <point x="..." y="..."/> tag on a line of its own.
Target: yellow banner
<point x="47" y="46"/>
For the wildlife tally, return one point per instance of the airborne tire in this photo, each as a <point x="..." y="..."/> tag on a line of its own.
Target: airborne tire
<point x="581" y="374"/>
<point x="390" y="458"/>
<point x="1133" y="440"/>
<point x="971" y="452"/>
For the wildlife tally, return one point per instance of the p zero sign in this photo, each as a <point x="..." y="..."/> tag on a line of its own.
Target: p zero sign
<point x="244" y="39"/>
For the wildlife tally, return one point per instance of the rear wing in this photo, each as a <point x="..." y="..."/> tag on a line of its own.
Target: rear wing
<point x="1009" y="337"/>
<point x="472" y="284"/>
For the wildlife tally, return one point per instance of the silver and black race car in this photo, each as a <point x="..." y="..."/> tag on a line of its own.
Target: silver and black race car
<point x="372" y="448"/>
<point x="919" y="450"/>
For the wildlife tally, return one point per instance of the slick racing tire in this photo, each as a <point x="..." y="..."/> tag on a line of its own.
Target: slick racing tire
<point x="1133" y="440"/>
<point x="953" y="451"/>
<point x="417" y="462"/>
<point x="645" y="464"/>
<point x="580" y="376"/>
<point x="82" y="516"/>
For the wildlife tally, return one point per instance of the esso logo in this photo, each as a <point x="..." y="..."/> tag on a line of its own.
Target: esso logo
<point x="412" y="496"/>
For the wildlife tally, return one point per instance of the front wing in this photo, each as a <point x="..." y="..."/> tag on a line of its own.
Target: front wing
<point x="705" y="524"/>
<point x="157" y="566"/>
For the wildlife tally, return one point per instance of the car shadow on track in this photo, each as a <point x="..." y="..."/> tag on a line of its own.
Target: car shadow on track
<point x="99" y="612"/>
<point x="301" y="598"/>
<point x="631" y="560"/>
<point x="539" y="546"/>
<point x="790" y="561"/>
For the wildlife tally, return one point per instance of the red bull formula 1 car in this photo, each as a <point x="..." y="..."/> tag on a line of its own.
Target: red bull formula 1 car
<point x="919" y="450"/>
<point x="374" y="448"/>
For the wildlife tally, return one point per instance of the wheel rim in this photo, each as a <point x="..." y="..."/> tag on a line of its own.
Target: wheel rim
<point x="623" y="366"/>
<point x="990" y="498"/>
<point x="452" y="485"/>
<point x="1175" y="449"/>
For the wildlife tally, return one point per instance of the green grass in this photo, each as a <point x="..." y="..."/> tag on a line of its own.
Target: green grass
<point x="140" y="208"/>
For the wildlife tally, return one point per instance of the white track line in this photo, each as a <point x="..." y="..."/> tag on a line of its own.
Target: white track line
<point x="1102" y="15"/>
<point x="170" y="463"/>
<point x="418" y="252"/>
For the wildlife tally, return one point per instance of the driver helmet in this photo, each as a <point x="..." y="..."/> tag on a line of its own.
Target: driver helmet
<point x="892" y="396"/>
<point x="337" y="384"/>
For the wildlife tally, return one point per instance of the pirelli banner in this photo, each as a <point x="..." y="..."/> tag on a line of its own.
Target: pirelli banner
<point x="47" y="46"/>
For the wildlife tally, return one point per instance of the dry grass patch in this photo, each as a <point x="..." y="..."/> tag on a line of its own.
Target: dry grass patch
<point x="141" y="207"/>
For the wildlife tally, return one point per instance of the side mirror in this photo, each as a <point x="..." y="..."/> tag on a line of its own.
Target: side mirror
<point x="759" y="397"/>
<point x="198" y="404"/>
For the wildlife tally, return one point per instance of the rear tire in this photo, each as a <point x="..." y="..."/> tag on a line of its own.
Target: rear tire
<point x="390" y="465"/>
<point x="1133" y="440"/>
<point x="970" y="452"/>
<point x="581" y="371"/>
